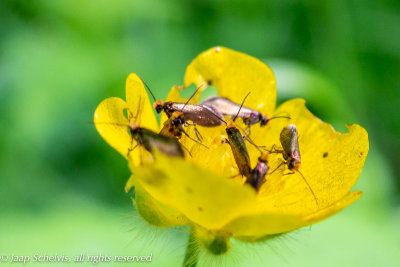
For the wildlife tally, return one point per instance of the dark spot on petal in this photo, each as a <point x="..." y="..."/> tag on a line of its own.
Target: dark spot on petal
<point x="361" y="154"/>
<point x="325" y="154"/>
<point x="189" y="190"/>
<point x="209" y="82"/>
<point x="200" y="208"/>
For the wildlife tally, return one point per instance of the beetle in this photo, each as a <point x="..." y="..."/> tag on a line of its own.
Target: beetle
<point x="150" y="140"/>
<point x="238" y="146"/>
<point x="289" y="139"/>
<point x="227" y="107"/>
<point x="257" y="175"/>
<point x="174" y="128"/>
<point x="199" y="114"/>
<point x="236" y="141"/>
<point x="239" y="149"/>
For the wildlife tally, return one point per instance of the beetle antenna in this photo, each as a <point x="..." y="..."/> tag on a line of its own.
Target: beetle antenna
<point x="211" y="112"/>
<point x="109" y="123"/>
<point x="283" y="112"/>
<point x="137" y="113"/>
<point x="278" y="117"/>
<point x="131" y="149"/>
<point x="309" y="187"/>
<point x="148" y="88"/>
<point x="187" y="150"/>
<point x="252" y="142"/>
<point x="190" y="98"/>
<point x="276" y="168"/>
<point x="241" y="107"/>
<point x="249" y="140"/>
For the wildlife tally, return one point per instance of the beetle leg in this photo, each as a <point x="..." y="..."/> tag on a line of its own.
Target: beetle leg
<point x="198" y="135"/>
<point x="272" y="150"/>
<point x="289" y="173"/>
<point x="190" y="154"/>
<point x="247" y="132"/>
<point x="277" y="168"/>
<point x="225" y="141"/>
<point x="251" y="142"/>
<point x="194" y="140"/>
<point x="131" y="149"/>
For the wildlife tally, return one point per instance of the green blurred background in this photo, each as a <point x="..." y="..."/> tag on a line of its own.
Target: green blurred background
<point x="61" y="185"/>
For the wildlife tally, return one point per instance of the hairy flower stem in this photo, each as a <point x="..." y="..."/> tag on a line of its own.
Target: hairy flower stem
<point x="192" y="254"/>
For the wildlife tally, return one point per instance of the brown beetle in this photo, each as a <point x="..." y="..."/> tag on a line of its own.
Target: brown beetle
<point x="238" y="146"/>
<point x="257" y="175"/>
<point x="227" y="107"/>
<point x="150" y="140"/>
<point x="291" y="153"/>
<point x="199" y="114"/>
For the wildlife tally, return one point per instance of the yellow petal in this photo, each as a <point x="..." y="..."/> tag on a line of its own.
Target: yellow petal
<point x="251" y="228"/>
<point x="259" y="225"/>
<point x="112" y="125"/>
<point x="218" y="158"/>
<point x="153" y="211"/>
<point x="108" y="114"/>
<point x="135" y="90"/>
<point x="332" y="209"/>
<point x="234" y="74"/>
<point x="204" y="197"/>
<point x="331" y="161"/>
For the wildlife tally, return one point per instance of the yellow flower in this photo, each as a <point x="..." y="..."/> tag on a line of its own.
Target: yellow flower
<point x="199" y="190"/>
